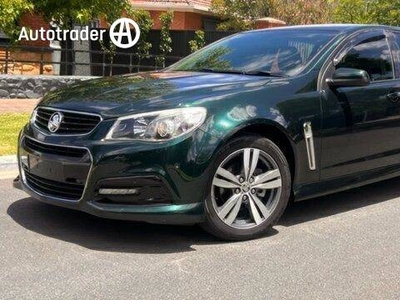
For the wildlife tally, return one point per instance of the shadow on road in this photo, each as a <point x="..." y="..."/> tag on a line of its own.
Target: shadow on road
<point x="122" y="236"/>
<point x="333" y="204"/>
<point x="105" y="234"/>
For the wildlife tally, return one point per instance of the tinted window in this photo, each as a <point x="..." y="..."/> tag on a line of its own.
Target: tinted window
<point x="277" y="51"/>
<point x="397" y="51"/>
<point x="371" y="55"/>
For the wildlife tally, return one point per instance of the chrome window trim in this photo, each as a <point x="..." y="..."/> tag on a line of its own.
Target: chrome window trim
<point x="349" y="46"/>
<point x="67" y="111"/>
<point x="345" y="45"/>
<point x="23" y="178"/>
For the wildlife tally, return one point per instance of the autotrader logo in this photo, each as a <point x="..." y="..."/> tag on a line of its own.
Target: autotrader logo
<point x="122" y="28"/>
<point x="124" y="33"/>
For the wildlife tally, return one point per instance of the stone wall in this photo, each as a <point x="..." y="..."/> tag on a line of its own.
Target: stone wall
<point x="15" y="86"/>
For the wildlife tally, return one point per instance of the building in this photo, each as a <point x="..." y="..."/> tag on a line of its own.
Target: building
<point x="188" y="14"/>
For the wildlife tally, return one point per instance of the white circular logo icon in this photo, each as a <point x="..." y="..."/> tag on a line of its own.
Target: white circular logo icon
<point x="55" y="121"/>
<point x="122" y="28"/>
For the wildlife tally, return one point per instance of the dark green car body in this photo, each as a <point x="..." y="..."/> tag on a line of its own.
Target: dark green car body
<point x="355" y="131"/>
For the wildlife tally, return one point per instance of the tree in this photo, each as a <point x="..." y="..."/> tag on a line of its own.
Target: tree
<point x="109" y="48"/>
<point x="385" y="12"/>
<point x="242" y="14"/>
<point x="66" y="13"/>
<point x="198" y="42"/>
<point x="165" y="37"/>
<point x="235" y="14"/>
<point x="145" y="23"/>
<point x="354" y="11"/>
<point x="212" y="58"/>
<point x="301" y="12"/>
<point x="11" y="12"/>
<point x="62" y="13"/>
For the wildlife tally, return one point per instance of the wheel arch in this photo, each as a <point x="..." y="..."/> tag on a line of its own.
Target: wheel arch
<point x="272" y="131"/>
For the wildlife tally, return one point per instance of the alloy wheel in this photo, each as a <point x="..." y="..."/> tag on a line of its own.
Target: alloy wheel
<point x="246" y="188"/>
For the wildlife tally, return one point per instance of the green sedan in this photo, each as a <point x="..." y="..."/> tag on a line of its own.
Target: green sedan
<point x="227" y="136"/>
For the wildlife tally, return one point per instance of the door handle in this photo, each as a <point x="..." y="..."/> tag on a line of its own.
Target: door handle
<point x="393" y="97"/>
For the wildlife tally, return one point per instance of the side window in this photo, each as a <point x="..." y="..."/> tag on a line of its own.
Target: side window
<point x="372" y="55"/>
<point x="396" y="52"/>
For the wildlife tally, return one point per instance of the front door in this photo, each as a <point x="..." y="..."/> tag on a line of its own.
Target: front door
<point x="361" y="127"/>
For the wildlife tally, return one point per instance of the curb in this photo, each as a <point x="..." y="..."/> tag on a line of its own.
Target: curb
<point x="8" y="167"/>
<point x="8" y="160"/>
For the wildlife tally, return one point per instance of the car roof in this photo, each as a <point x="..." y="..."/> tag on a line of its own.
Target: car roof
<point x="339" y="28"/>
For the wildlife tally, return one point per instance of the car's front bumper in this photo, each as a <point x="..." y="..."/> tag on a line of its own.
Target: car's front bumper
<point x="173" y="171"/>
<point x="157" y="214"/>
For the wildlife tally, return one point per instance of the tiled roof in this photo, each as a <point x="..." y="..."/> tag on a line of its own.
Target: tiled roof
<point x="205" y="3"/>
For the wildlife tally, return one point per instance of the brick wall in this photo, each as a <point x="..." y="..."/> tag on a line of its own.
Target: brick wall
<point x="269" y="23"/>
<point x="34" y="21"/>
<point x="182" y="20"/>
<point x="22" y="61"/>
<point x="193" y="21"/>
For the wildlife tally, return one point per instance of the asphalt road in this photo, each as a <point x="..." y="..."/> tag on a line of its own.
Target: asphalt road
<point x="345" y="246"/>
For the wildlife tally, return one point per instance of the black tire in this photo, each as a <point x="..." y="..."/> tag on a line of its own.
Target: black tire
<point x="214" y="225"/>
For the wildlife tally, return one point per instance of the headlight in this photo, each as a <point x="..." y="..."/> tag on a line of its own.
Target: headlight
<point x="158" y="126"/>
<point x="33" y="116"/>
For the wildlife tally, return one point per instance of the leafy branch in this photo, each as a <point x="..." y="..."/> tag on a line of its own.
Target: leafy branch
<point x="165" y="38"/>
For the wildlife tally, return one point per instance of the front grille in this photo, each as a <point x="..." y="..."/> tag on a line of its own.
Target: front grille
<point x="72" y="123"/>
<point x="57" y="189"/>
<point x="55" y="150"/>
<point x="62" y="176"/>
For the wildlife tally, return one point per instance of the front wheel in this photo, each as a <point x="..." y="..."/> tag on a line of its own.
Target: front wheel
<point x="249" y="190"/>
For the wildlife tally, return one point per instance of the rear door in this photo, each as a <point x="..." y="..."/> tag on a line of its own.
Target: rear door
<point x="395" y="45"/>
<point x="361" y="127"/>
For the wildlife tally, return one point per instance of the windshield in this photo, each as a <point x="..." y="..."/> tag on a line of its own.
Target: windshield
<point x="270" y="52"/>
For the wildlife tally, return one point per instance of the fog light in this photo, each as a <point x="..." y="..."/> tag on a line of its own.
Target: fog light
<point x="118" y="191"/>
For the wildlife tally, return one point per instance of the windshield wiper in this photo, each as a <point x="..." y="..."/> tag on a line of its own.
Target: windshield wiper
<point x="264" y="73"/>
<point x="211" y="70"/>
<point x="251" y="73"/>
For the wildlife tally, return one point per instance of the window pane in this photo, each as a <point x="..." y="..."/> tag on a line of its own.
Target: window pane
<point x="396" y="52"/>
<point x="278" y="51"/>
<point x="371" y="55"/>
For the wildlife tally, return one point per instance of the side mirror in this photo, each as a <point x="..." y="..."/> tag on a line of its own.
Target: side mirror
<point x="349" y="77"/>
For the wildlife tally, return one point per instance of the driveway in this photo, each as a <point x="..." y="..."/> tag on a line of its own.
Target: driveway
<point x="17" y="105"/>
<point x="345" y="246"/>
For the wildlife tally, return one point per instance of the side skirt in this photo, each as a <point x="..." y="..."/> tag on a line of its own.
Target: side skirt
<point x="321" y="188"/>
